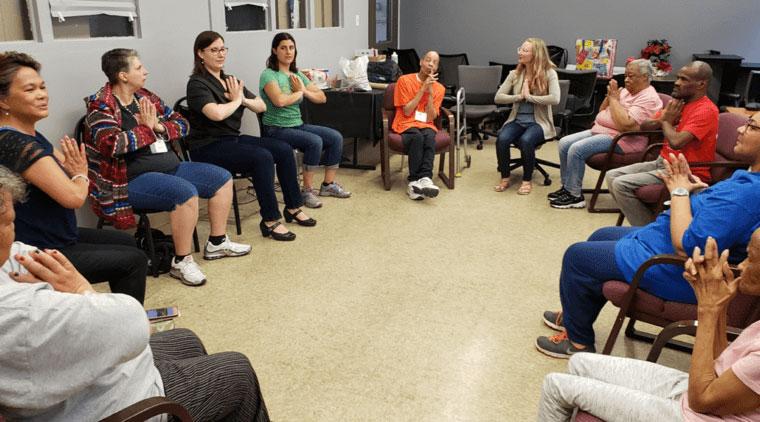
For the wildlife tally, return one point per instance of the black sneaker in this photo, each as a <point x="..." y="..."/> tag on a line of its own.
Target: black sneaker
<point x="557" y="194"/>
<point x="568" y="201"/>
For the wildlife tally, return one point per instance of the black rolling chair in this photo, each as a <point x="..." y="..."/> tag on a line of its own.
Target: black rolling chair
<point x="505" y="69"/>
<point x="580" y="98"/>
<point x="408" y="59"/>
<point x="143" y="221"/>
<point x="561" y="116"/>
<point x="181" y="107"/>
<point x="448" y="75"/>
<point x="480" y="84"/>
<point x="557" y="55"/>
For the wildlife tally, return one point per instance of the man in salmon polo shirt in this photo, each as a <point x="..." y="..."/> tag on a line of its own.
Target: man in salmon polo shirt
<point x="690" y="126"/>
<point x="418" y="99"/>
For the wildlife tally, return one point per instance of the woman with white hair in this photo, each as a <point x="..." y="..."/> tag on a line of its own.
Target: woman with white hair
<point x="622" y="111"/>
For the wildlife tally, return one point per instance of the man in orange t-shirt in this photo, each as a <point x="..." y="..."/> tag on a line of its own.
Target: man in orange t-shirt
<point x="690" y="126"/>
<point x="418" y="99"/>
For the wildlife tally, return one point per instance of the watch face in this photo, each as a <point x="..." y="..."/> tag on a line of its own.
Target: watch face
<point x="680" y="192"/>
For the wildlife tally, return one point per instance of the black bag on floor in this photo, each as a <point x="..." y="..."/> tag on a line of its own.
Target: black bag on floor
<point x="383" y="72"/>
<point x="163" y="246"/>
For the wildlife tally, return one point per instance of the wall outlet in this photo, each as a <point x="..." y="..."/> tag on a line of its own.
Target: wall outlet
<point x="357" y="20"/>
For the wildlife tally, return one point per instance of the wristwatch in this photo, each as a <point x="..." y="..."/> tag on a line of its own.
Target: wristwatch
<point x="679" y="192"/>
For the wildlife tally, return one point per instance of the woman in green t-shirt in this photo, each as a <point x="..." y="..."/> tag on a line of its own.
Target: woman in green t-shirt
<point x="283" y="87"/>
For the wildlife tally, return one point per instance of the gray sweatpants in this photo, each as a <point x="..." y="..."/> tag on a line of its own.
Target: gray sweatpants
<point x="623" y="183"/>
<point x="613" y="389"/>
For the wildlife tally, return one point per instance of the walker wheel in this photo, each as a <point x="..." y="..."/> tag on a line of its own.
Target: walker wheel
<point x="480" y="146"/>
<point x="547" y="181"/>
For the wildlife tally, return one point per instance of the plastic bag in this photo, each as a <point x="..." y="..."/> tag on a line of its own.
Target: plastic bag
<point x="355" y="73"/>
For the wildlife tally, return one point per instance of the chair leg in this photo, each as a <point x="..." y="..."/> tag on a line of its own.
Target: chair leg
<point x="145" y="224"/>
<point x="672" y="330"/>
<point x="632" y="333"/>
<point x="595" y="196"/>
<point x="620" y="219"/>
<point x="236" y="210"/>
<point x="195" y="240"/>
<point x="448" y="180"/>
<point x="101" y="221"/>
<point x="385" y="166"/>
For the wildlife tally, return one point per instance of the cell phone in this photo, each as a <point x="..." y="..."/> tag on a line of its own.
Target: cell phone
<point x="162" y="313"/>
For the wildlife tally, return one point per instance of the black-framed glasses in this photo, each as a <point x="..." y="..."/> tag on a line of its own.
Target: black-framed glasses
<point x="215" y="50"/>
<point x="751" y="125"/>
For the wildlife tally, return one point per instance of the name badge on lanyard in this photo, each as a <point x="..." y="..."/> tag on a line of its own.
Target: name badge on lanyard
<point x="158" y="147"/>
<point x="420" y="116"/>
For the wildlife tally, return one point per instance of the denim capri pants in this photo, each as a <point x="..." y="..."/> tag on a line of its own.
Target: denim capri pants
<point x="164" y="191"/>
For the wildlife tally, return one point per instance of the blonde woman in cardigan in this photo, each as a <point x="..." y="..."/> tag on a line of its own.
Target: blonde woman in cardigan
<point x="532" y="89"/>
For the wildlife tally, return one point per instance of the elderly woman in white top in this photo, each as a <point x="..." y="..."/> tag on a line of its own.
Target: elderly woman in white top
<point x="533" y="88"/>
<point x="622" y="111"/>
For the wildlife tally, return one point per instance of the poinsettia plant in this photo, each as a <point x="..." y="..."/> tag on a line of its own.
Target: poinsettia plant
<point x="658" y="52"/>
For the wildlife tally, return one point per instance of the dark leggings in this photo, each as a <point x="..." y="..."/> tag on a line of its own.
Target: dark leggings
<point x="258" y="157"/>
<point x="112" y="256"/>
<point x="217" y="387"/>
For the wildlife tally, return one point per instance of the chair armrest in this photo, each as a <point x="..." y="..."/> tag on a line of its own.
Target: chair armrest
<point x="674" y="329"/>
<point x="148" y="408"/>
<point x="648" y="133"/>
<point x="655" y="260"/>
<point x="449" y="116"/>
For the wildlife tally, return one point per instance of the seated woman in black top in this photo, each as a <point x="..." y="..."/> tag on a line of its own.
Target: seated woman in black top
<point x="58" y="185"/>
<point x="133" y="166"/>
<point x="217" y="101"/>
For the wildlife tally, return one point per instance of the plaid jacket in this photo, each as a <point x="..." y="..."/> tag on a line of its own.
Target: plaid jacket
<point x="106" y="144"/>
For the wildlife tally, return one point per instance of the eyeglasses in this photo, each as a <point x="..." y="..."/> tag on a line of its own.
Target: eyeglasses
<point x="751" y="125"/>
<point x="215" y="50"/>
<point x="523" y="50"/>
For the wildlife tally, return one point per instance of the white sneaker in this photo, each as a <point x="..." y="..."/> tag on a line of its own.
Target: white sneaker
<point x="224" y="249"/>
<point x="426" y="187"/>
<point x="188" y="272"/>
<point x="411" y="189"/>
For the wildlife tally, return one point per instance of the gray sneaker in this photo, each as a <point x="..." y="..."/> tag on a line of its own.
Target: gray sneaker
<point x="310" y="200"/>
<point x="553" y="320"/>
<point x="559" y="346"/>
<point x="334" y="189"/>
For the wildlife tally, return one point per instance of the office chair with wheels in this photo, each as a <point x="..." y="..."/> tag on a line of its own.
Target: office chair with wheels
<point x="408" y="59"/>
<point x="581" y="94"/>
<point x="448" y="75"/>
<point x="560" y="114"/>
<point x="480" y="83"/>
<point x="557" y="55"/>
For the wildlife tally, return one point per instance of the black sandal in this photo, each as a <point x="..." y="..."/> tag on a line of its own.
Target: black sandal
<point x="267" y="231"/>
<point x="290" y="217"/>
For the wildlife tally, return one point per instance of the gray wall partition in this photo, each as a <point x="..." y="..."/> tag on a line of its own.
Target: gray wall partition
<point x="493" y="29"/>
<point x="167" y="29"/>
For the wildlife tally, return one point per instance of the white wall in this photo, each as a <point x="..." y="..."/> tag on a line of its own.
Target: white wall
<point x="168" y="28"/>
<point x="493" y="29"/>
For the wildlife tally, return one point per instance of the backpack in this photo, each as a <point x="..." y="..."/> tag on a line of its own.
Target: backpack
<point x="163" y="247"/>
<point x="383" y="72"/>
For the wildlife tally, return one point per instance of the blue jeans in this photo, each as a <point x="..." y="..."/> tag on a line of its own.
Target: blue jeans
<point x="259" y="157"/>
<point x="585" y="267"/>
<point x="311" y="140"/>
<point x="574" y="150"/>
<point x="163" y="191"/>
<point x="527" y="137"/>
